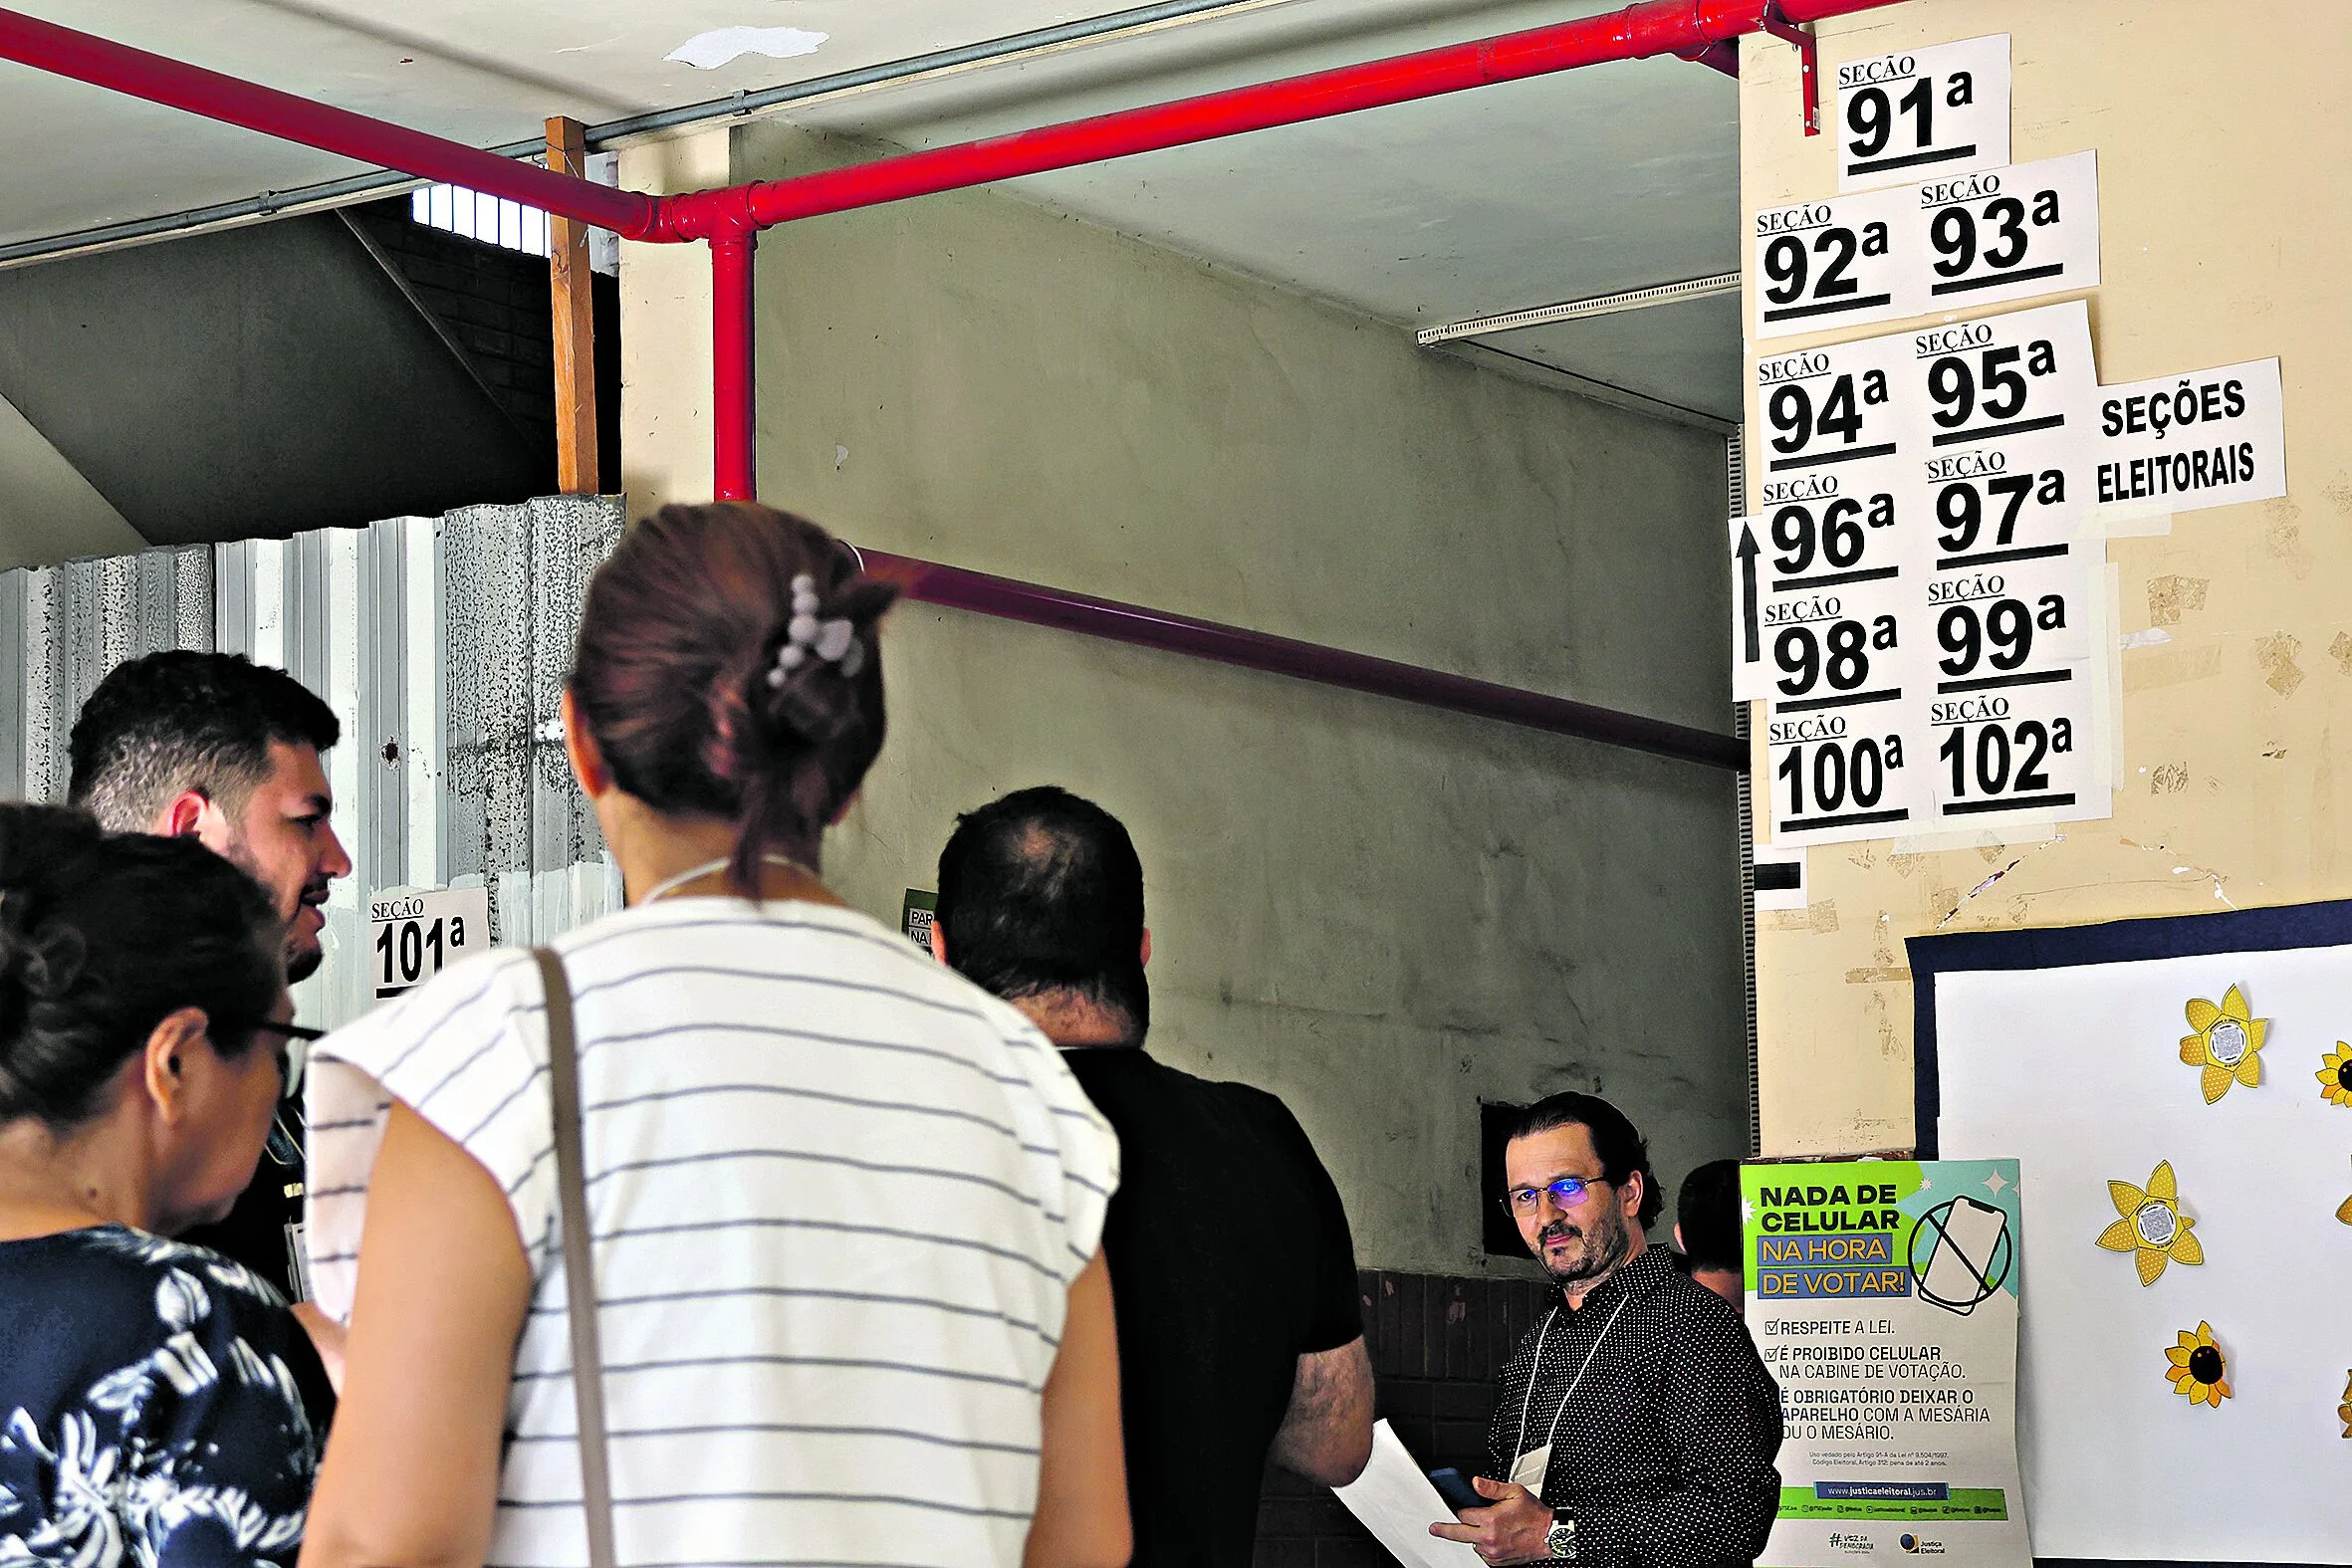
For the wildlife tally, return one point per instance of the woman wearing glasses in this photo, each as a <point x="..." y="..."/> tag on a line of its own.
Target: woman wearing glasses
<point x="157" y="1403"/>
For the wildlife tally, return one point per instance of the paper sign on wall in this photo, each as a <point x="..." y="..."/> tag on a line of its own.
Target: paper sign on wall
<point x="2181" y="443"/>
<point x="1914" y="599"/>
<point x="2023" y="384"/>
<point x="2013" y="715"/>
<point x="1824" y="264"/>
<point x="2010" y="233"/>
<point x="1949" y="243"/>
<point x="1883" y="1295"/>
<point x="1943" y="110"/>
<point x="416" y="935"/>
<point x="915" y="914"/>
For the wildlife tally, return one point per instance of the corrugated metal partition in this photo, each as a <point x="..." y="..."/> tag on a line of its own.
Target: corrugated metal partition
<point x="440" y="642"/>
<point x="63" y="627"/>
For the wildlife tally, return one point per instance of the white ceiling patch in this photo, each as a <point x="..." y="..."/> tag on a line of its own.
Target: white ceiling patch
<point x="709" y="50"/>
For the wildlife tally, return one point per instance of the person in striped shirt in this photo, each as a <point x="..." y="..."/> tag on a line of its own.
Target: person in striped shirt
<point x="846" y="1208"/>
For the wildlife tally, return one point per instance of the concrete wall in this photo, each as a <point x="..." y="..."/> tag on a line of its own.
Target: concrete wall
<point x="249" y="382"/>
<point x="2221" y="243"/>
<point x="1382" y="913"/>
<point x="48" y="510"/>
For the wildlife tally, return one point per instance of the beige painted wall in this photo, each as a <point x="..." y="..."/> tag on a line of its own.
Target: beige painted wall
<point x="1382" y="913"/>
<point x="665" y="331"/>
<point x="2222" y="239"/>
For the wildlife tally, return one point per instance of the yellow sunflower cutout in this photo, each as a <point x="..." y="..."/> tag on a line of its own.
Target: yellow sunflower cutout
<point x="2198" y="1372"/>
<point x="2344" y="1410"/>
<point x="2335" y="1075"/>
<point x="2226" y="1045"/>
<point x="2153" y="1228"/>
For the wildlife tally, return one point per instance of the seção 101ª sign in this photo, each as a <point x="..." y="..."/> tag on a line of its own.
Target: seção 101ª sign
<point x="414" y="935"/>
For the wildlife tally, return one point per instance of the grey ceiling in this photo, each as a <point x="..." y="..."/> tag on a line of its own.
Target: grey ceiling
<point x="1510" y="196"/>
<point x="1523" y="194"/>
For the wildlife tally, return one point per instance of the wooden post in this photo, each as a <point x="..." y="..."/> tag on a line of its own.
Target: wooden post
<point x="574" y="323"/>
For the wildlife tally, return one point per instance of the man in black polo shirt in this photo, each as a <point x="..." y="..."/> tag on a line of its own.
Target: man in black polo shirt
<point x="1637" y="1426"/>
<point x="1241" y="1334"/>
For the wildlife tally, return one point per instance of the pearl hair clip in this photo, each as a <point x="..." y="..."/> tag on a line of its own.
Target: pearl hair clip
<point x="834" y="642"/>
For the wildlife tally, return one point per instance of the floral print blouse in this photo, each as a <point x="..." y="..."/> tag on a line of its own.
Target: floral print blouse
<point x="159" y="1407"/>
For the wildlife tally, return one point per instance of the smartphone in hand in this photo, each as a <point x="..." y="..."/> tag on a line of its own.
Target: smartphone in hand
<point x="1454" y="1486"/>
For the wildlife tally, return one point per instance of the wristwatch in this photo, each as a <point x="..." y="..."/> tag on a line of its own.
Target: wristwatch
<point x="1561" y="1539"/>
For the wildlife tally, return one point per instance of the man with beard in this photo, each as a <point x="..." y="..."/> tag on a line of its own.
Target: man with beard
<point x="215" y="748"/>
<point x="1637" y="1426"/>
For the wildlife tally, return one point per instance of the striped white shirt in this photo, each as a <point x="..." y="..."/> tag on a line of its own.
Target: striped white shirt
<point x="838" y="1198"/>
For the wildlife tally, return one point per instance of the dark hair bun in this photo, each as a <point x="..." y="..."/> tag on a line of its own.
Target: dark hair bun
<point x="38" y="843"/>
<point x="35" y="967"/>
<point x="40" y="850"/>
<point x="701" y="699"/>
<point x="103" y="936"/>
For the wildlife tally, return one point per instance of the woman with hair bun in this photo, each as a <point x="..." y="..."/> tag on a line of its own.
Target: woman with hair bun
<point x="159" y="1403"/>
<point x="845" y="1208"/>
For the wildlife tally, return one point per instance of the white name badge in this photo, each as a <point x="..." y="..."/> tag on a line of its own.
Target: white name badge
<point x="1528" y="1472"/>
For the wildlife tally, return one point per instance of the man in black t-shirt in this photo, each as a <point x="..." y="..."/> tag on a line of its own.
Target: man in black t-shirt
<point x="215" y="748"/>
<point x="1241" y="1334"/>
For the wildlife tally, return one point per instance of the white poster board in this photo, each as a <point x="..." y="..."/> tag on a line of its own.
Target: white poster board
<point x="2069" y="1049"/>
<point x="1940" y="110"/>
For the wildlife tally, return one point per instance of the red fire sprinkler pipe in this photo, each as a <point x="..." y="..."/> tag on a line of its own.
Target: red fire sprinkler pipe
<point x="1009" y="599"/>
<point x="103" y="63"/>
<point x="1656" y="26"/>
<point x="734" y="413"/>
<point x="730" y="219"/>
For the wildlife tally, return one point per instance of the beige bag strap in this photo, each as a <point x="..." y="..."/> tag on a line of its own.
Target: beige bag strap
<point x="579" y="1267"/>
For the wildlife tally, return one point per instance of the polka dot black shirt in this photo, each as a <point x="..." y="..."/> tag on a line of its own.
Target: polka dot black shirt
<point x="1664" y="1457"/>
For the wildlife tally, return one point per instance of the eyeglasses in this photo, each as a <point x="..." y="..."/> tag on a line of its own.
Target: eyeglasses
<point x="1566" y="1192"/>
<point x="295" y="1055"/>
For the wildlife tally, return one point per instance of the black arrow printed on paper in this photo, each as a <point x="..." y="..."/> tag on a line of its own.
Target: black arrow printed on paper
<point x="1748" y="550"/>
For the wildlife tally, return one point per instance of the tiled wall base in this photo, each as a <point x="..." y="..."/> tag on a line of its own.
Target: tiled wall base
<point x="1437" y="1343"/>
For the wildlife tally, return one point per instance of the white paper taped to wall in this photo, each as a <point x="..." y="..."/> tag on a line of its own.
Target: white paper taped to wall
<point x="1956" y="242"/>
<point x="2182" y="443"/>
<point x="1943" y="110"/>
<point x="1917" y="597"/>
